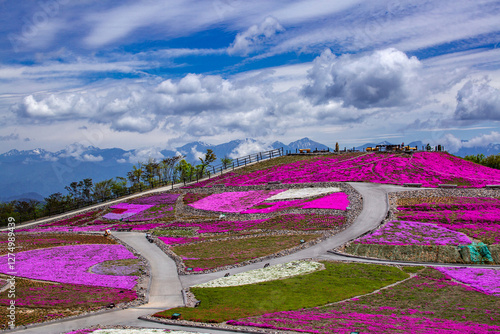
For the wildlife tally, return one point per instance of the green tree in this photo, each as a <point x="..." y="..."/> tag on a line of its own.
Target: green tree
<point x="185" y="170"/>
<point x="226" y="161"/>
<point x="150" y="171"/>
<point x="205" y="161"/>
<point x="119" y="186"/>
<point x="56" y="203"/>
<point x="167" y="166"/>
<point x="103" y="190"/>
<point x="478" y="159"/>
<point x="80" y="192"/>
<point x="135" y="175"/>
<point x="26" y="209"/>
<point x="492" y="161"/>
<point x="8" y="210"/>
<point x="337" y="149"/>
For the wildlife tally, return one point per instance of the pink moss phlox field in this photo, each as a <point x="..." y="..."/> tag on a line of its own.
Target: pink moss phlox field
<point x="268" y="207"/>
<point x="179" y="240"/>
<point x="414" y="233"/>
<point x="163" y="211"/>
<point x="156" y="199"/>
<point x="452" y="216"/>
<point x="235" y="202"/>
<point x="457" y="203"/>
<point x="335" y="201"/>
<point x="220" y="226"/>
<point x="477" y="217"/>
<point x="332" y="321"/>
<point x="60" y="295"/>
<point x="69" y="264"/>
<point x="126" y="210"/>
<point x="91" y="228"/>
<point x="77" y="220"/>
<point x="428" y="168"/>
<point x="484" y="280"/>
<point x="137" y="227"/>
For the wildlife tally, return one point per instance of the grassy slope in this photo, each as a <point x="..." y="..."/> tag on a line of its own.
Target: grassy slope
<point x="337" y="282"/>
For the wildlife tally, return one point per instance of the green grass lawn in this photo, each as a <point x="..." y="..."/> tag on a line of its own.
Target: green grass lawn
<point x="216" y="253"/>
<point x="337" y="282"/>
<point x="429" y="295"/>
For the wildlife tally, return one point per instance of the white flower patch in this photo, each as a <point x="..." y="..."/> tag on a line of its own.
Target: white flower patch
<point x="303" y="193"/>
<point x="141" y="331"/>
<point x="271" y="273"/>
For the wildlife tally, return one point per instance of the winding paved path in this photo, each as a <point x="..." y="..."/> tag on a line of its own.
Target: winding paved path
<point x="375" y="208"/>
<point x="166" y="286"/>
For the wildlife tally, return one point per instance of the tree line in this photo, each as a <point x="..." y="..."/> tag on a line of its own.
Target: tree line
<point x="492" y="161"/>
<point x="144" y="175"/>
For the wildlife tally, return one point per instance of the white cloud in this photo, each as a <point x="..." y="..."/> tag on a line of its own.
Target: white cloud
<point x="143" y="155"/>
<point x="477" y="100"/>
<point x="197" y="154"/>
<point x="247" y="41"/>
<point x="92" y="158"/>
<point x="453" y="144"/>
<point x="249" y="147"/>
<point x="385" y="78"/>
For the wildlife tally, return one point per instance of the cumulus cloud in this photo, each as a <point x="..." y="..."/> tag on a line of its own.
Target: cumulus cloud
<point x="195" y="101"/>
<point x="142" y="155"/>
<point x="247" y="147"/>
<point x="247" y="41"/>
<point x="197" y="154"/>
<point x="384" y="78"/>
<point x="209" y="105"/>
<point x="92" y="158"/>
<point x="453" y="144"/>
<point x="477" y="100"/>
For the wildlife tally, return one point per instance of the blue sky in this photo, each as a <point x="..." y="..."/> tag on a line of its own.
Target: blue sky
<point x="135" y="74"/>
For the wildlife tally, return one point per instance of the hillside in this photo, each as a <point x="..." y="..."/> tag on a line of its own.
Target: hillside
<point x="428" y="168"/>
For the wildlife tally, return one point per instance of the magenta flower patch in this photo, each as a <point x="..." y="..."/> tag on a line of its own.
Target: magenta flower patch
<point x="236" y="201"/>
<point x="484" y="280"/>
<point x="332" y="321"/>
<point x="156" y="199"/>
<point x="428" y="168"/>
<point x="335" y="201"/>
<point x="265" y="207"/>
<point x="413" y="233"/>
<point x="125" y="210"/>
<point x="220" y="226"/>
<point x="137" y="227"/>
<point x="70" y="264"/>
<point x="476" y="217"/>
<point x="178" y="240"/>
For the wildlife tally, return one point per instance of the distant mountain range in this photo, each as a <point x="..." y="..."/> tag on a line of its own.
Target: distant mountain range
<point x="38" y="173"/>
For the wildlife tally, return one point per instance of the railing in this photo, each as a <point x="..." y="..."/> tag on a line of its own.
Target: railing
<point x="243" y="161"/>
<point x="209" y="172"/>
